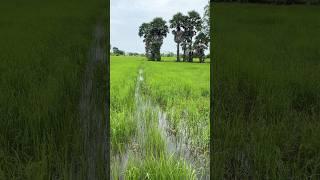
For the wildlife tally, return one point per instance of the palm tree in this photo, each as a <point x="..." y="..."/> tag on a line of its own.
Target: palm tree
<point x="176" y="23"/>
<point x="192" y="24"/>
<point x="200" y="44"/>
<point x="153" y="34"/>
<point x="206" y="21"/>
<point x="184" y="48"/>
<point x="144" y="30"/>
<point x="158" y="31"/>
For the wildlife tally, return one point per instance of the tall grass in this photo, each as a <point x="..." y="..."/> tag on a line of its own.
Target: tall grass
<point x="44" y="46"/>
<point x="266" y="100"/>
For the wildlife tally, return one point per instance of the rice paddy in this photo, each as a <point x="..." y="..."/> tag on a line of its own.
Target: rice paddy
<point x="159" y="119"/>
<point x="266" y="92"/>
<point x="44" y="52"/>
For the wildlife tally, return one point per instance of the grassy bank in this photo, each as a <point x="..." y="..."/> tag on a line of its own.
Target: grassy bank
<point x="44" y="51"/>
<point x="266" y="83"/>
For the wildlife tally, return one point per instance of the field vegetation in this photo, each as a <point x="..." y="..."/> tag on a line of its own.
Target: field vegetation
<point x="266" y="73"/>
<point x="159" y="121"/>
<point x="43" y="55"/>
<point x="160" y="110"/>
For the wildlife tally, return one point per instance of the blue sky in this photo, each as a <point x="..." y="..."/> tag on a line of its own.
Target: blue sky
<point x="127" y="15"/>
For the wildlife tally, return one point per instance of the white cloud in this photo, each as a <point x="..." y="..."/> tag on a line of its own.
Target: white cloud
<point x="127" y="15"/>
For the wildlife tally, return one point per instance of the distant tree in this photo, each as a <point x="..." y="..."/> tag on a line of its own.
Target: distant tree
<point x="206" y="21"/>
<point x="154" y="33"/>
<point x="133" y="54"/>
<point x="176" y="22"/>
<point x="117" y="51"/>
<point x="200" y="45"/>
<point x="170" y="54"/>
<point x="120" y="52"/>
<point x="144" y="31"/>
<point x="184" y="44"/>
<point x="192" y="24"/>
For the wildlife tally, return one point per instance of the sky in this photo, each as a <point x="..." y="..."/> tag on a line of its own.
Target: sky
<point x="127" y="15"/>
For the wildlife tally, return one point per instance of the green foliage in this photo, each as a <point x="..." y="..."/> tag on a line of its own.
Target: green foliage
<point x="200" y="44"/>
<point x="153" y="34"/>
<point x="206" y="21"/>
<point x="185" y="28"/>
<point x="193" y="22"/>
<point x="144" y="30"/>
<point x="177" y="20"/>
<point x="202" y="38"/>
<point x="133" y="54"/>
<point x="158" y="27"/>
<point x="117" y="51"/>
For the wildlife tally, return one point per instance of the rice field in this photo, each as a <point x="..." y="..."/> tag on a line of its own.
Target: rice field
<point x="43" y="56"/>
<point x="266" y="92"/>
<point x="159" y="119"/>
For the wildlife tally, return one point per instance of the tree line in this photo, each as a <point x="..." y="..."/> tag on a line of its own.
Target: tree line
<point x="191" y="32"/>
<point x="117" y="51"/>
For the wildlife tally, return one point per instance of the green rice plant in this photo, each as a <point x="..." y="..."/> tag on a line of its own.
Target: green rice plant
<point x="154" y="145"/>
<point x="123" y="127"/>
<point x="179" y="88"/>
<point x="159" y="168"/>
<point x="172" y="89"/>
<point x="44" y="52"/>
<point x="266" y="100"/>
<point x="122" y="106"/>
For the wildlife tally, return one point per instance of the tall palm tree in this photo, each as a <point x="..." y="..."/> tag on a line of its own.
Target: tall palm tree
<point x="176" y="23"/>
<point x="200" y="44"/>
<point x="158" y="31"/>
<point x="206" y="21"/>
<point x="192" y="24"/>
<point x="153" y="34"/>
<point x="144" y="30"/>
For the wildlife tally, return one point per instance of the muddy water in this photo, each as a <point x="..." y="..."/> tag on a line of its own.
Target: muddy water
<point x="177" y="143"/>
